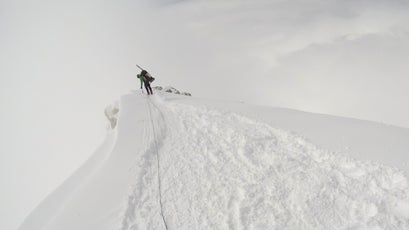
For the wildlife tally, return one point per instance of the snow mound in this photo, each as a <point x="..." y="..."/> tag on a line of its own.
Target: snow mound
<point x="111" y="113"/>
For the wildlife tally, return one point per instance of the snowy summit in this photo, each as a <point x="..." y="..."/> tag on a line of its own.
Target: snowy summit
<point x="175" y="162"/>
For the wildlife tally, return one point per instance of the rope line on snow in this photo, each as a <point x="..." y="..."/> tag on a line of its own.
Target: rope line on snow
<point x="158" y="165"/>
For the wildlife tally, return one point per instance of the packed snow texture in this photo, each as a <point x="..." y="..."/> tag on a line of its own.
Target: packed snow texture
<point x="218" y="169"/>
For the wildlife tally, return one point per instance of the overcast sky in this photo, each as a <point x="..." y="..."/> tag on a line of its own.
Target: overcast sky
<point x="62" y="62"/>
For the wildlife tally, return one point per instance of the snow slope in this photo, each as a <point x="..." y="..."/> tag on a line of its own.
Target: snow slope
<point x="183" y="163"/>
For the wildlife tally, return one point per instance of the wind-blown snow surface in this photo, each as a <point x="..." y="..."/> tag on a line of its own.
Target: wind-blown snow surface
<point x="219" y="169"/>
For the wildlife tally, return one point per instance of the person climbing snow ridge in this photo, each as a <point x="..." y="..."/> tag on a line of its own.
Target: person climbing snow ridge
<point x="146" y="79"/>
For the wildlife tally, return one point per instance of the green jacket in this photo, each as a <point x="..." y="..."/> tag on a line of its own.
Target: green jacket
<point x="142" y="78"/>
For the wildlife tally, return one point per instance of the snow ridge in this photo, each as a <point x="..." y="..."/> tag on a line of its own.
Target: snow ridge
<point x="170" y="164"/>
<point x="225" y="171"/>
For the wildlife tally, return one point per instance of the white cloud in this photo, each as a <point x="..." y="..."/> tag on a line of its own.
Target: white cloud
<point x="305" y="43"/>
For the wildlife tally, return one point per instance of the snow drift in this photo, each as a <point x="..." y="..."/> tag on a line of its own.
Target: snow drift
<point x="177" y="162"/>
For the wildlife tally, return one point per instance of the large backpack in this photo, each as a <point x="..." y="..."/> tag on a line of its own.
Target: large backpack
<point x="147" y="76"/>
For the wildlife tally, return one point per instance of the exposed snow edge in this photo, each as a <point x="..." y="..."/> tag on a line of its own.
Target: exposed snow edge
<point x="170" y="89"/>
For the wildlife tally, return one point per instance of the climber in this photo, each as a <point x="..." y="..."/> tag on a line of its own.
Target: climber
<point x="146" y="80"/>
